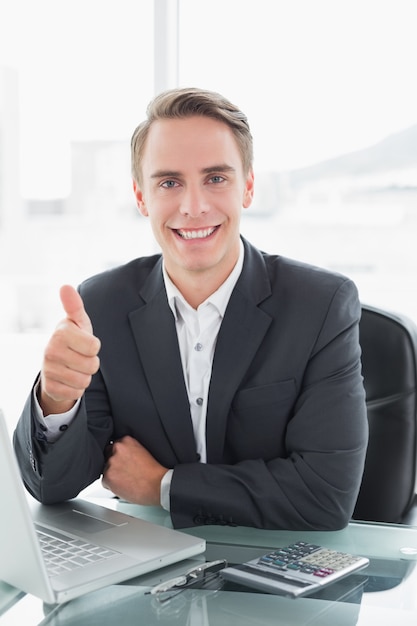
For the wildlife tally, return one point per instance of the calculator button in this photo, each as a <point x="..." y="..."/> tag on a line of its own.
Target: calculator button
<point x="294" y="566"/>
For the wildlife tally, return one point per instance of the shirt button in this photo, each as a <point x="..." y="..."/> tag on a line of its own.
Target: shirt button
<point x="199" y="401"/>
<point x="198" y="347"/>
<point x="63" y="427"/>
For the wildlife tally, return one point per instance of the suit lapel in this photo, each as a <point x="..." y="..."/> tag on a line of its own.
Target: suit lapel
<point x="242" y="331"/>
<point x="153" y="327"/>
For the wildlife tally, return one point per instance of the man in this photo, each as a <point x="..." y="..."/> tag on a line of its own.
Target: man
<point x="220" y="381"/>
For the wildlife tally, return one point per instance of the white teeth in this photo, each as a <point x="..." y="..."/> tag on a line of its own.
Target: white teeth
<point x="196" y="234"/>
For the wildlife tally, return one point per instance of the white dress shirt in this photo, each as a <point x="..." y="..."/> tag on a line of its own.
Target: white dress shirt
<point x="197" y="331"/>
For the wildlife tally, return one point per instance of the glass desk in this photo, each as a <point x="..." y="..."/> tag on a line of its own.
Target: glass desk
<point x="385" y="593"/>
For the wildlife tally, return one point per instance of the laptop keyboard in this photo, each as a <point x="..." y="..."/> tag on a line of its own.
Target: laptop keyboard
<point x="66" y="554"/>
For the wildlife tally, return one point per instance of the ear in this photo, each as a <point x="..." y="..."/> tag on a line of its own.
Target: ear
<point x="140" y="201"/>
<point x="249" y="189"/>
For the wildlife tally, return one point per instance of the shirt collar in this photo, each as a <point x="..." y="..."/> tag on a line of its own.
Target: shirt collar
<point x="219" y="298"/>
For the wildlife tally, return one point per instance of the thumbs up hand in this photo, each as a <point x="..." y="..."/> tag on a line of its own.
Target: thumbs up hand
<point x="70" y="358"/>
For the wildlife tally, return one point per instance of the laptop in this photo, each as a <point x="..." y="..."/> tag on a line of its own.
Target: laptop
<point x="114" y="546"/>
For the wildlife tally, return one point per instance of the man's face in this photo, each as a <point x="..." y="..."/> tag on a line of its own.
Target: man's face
<point x="193" y="190"/>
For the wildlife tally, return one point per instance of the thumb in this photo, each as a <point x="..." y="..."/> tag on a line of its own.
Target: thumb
<point x="74" y="308"/>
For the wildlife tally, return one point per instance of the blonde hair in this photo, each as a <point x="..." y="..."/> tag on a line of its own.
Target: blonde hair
<point x="187" y="102"/>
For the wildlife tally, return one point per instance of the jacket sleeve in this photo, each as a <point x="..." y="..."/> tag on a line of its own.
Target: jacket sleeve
<point x="54" y="472"/>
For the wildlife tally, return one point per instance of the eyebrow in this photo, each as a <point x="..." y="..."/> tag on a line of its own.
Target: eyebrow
<point x="223" y="167"/>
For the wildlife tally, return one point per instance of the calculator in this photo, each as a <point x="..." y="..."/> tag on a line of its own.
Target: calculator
<point x="295" y="570"/>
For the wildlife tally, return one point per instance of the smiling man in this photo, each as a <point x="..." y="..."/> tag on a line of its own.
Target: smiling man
<point x="219" y="381"/>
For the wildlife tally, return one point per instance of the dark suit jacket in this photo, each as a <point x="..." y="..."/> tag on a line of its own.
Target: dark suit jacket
<point x="286" y="418"/>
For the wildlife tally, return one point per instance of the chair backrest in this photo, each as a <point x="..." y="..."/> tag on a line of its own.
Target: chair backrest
<point x="389" y="366"/>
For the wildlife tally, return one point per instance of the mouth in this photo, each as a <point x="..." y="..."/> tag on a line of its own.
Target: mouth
<point x="196" y="233"/>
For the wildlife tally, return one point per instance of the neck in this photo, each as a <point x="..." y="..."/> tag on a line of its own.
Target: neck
<point x="198" y="287"/>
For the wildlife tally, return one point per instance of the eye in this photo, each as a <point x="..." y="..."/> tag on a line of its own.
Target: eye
<point x="169" y="184"/>
<point x="216" y="179"/>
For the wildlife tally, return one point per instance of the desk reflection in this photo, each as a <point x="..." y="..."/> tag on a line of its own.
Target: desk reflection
<point x="224" y="603"/>
<point x="129" y="606"/>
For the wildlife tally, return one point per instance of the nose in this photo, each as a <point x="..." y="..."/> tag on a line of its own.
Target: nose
<point x="193" y="201"/>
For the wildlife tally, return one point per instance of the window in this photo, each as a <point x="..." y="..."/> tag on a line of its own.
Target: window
<point x="75" y="79"/>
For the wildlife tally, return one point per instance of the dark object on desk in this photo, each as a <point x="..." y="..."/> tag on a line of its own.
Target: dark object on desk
<point x="199" y="576"/>
<point x="389" y="362"/>
<point x="385" y="574"/>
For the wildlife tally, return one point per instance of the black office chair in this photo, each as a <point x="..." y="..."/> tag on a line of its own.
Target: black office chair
<point x="389" y="366"/>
